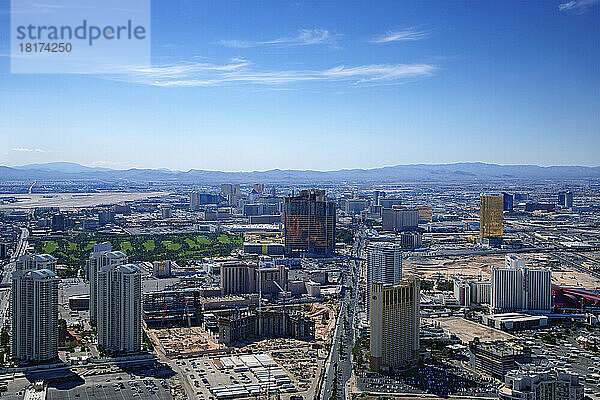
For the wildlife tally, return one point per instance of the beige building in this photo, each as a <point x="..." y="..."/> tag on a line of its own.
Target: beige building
<point x="394" y="321"/>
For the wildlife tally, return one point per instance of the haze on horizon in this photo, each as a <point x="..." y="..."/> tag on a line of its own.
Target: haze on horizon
<point x="310" y="85"/>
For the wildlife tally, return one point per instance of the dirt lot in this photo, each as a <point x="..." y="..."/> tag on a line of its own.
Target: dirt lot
<point x="479" y="266"/>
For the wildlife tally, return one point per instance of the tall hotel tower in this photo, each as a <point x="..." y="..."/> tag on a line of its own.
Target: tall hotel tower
<point x="120" y="308"/>
<point x="34" y="315"/>
<point x="384" y="264"/>
<point x="102" y="256"/>
<point x="394" y="325"/>
<point x="516" y="287"/>
<point x="309" y="224"/>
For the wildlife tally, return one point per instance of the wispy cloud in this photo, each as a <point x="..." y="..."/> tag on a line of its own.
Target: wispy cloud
<point x="240" y="71"/>
<point x="305" y="37"/>
<point x="28" y="150"/>
<point x="410" y="34"/>
<point x="577" y="6"/>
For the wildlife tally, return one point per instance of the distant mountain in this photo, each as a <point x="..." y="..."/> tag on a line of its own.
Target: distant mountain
<point x="66" y="167"/>
<point x="399" y="173"/>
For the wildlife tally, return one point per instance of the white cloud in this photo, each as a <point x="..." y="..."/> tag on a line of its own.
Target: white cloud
<point x="240" y="71"/>
<point x="409" y="34"/>
<point x="28" y="150"/>
<point x="305" y="37"/>
<point x="577" y="6"/>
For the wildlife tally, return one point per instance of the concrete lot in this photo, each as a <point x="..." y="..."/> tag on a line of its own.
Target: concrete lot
<point x="75" y="200"/>
<point x="468" y="330"/>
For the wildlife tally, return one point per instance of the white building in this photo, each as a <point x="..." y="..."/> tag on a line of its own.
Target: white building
<point x="462" y="292"/>
<point x="120" y="308"/>
<point x="34" y="315"/>
<point x="36" y="261"/>
<point x="102" y="256"/>
<point x="540" y="383"/>
<point x="519" y="288"/>
<point x="394" y="325"/>
<point x="469" y="292"/>
<point x="384" y="264"/>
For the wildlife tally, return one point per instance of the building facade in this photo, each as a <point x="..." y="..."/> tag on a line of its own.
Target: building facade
<point x="34" y="315"/>
<point x="101" y="257"/>
<point x="394" y="324"/>
<point x="36" y="261"/>
<point x="540" y="383"/>
<point x="309" y="224"/>
<point x="119" y="315"/>
<point x="491" y="218"/>
<point x="384" y="264"/>
<point x="519" y="288"/>
<point x="398" y="219"/>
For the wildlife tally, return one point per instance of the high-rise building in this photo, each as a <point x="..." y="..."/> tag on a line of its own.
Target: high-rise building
<point x="389" y="202"/>
<point x="59" y="222"/>
<point x="120" y="308"/>
<point x="36" y="261"/>
<point x="384" y="264"/>
<point x="34" y="315"/>
<point x="462" y="292"/>
<point x="516" y="287"/>
<point x="565" y="199"/>
<point x="507" y="201"/>
<point x="399" y="219"/>
<point x="356" y="206"/>
<point x="101" y="256"/>
<point x="309" y="224"/>
<point x="258" y="188"/>
<point x="377" y="195"/>
<point x="411" y="240"/>
<point x="106" y="217"/>
<point x="491" y="219"/>
<point x="162" y="269"/>
<point x="238" y="278"/>
<point x="166" y="212"/>
<point x="394" y="323"/>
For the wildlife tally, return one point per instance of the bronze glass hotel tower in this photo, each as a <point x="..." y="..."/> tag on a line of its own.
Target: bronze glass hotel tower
<point x="309" y="224"/>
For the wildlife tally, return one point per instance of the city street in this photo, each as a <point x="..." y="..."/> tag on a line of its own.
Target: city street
<point x="340" y="361"/>
<point x="6" y="275"/>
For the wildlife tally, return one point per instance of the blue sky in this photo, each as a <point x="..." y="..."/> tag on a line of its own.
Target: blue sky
<point x="324" y="85"/>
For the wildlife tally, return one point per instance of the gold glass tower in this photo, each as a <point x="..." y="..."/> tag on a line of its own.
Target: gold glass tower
<point x="491" y="217"/>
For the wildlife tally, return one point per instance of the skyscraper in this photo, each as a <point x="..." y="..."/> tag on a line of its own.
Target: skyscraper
<point x="565" y="199"/>
<point x="36" y="261"/>
<point x="507" y="201"/>
<point x="309" y="224"/>
<point x="34" y="315"/>
<point x="394" y="325"/>
<point x="399" y="219"/>
<point x="238" y="278"/>
<point x="491" y="219"/>
<point x="101" y="256"/>
<point x="516" y="287"/>
<point x="120" y="308"/>
<point x="384" y="264"/>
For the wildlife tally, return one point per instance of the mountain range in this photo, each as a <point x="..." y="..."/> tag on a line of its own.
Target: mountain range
<point x="64" y="171"/>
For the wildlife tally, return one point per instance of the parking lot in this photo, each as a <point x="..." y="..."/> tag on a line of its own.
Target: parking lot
<point x="101" y="382"/>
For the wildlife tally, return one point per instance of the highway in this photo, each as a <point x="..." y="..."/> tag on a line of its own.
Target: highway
<point x="339" y="363"/>
<point x="6" y="275"/>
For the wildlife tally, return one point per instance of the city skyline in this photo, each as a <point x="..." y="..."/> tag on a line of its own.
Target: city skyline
<point x="306" y="85"/>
